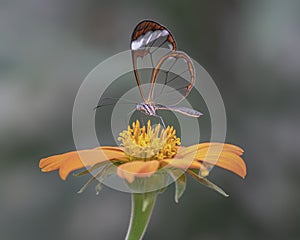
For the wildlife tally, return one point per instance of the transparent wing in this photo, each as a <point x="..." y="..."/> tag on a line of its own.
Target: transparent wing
<point x="150" y="42"/>
<point x="172" y="79"/>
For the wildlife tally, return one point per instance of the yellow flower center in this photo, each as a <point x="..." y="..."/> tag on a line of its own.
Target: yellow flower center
<point x="149" y="143"/>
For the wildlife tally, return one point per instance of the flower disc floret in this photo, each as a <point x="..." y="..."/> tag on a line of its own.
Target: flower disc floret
<point x="149" y="143"/>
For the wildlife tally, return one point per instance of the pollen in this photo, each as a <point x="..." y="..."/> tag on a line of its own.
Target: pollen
<point x="149" y="143"/>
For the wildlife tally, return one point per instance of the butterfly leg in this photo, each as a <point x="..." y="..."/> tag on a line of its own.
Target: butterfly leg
<point x="161" y="120"/>
<point x="144" y="115"/>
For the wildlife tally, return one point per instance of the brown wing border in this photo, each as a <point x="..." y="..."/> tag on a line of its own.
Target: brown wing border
<point x="150" y="25"/>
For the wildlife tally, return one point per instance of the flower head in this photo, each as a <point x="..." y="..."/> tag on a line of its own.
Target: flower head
<point x="147" y="143"/>
<point x="145" y="150"/>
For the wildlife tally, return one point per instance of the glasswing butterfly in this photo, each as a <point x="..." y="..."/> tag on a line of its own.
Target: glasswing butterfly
<point x="164" y="75"/>
<point x="172" y="72"/>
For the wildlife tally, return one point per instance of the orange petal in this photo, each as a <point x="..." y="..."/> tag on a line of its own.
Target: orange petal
<point x="117" y="149"/>
<point x="182" y="163"/>
<point x="229" y="161"/>
<point x="211" y="146"/>
<point x="226" y="156"/>
<point x="133" y="169"/>
<point x="75" y="160"/>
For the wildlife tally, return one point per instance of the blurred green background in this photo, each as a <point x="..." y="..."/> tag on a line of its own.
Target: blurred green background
<point x="250" y="48"/>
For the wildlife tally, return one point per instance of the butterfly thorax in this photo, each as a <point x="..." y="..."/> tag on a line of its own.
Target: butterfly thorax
<point x="147" y="108"/>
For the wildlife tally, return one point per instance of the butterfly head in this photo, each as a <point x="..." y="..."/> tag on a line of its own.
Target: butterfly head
<point x="140" y="107"/>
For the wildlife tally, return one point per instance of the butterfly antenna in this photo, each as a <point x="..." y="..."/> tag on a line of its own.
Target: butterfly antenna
<point x="109" y="104"/>
<point x="123" y="99"/>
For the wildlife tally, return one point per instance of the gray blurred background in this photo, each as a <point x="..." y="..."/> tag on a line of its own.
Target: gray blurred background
<point x="250" y="48"/>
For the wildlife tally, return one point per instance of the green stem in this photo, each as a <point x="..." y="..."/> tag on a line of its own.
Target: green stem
<point x="141" y="209"/>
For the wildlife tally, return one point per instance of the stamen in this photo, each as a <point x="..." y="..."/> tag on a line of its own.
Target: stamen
<point x="149" y="143"/>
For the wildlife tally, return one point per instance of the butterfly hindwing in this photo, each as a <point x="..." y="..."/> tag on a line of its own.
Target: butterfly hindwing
<point x="172" y="79"/>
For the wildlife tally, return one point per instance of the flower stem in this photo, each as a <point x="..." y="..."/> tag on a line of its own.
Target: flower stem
<point x="141" y="209"/>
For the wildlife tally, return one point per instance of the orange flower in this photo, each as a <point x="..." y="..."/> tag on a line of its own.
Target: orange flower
<point x="145" y="150"/>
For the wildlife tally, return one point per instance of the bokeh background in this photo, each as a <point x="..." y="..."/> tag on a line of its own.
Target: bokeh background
<point x="250" y="48"/>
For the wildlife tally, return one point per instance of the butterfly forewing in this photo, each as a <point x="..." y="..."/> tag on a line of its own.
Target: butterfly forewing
<point x="150" y="42"/>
